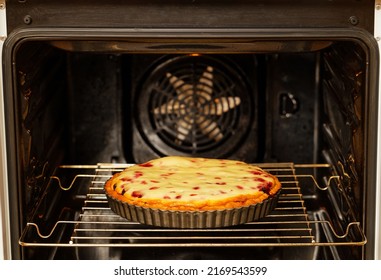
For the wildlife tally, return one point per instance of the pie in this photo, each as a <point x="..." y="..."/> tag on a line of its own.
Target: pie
<point x="192" y="184"/>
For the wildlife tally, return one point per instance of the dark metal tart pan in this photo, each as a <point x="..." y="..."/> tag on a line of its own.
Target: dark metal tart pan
<point x="193" y="219"/>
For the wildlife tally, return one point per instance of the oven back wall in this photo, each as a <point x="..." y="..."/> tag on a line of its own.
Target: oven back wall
<point x="95" y="108"/>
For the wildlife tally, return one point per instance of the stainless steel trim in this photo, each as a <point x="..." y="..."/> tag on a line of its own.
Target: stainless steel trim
<point x="5" y="247"/>
<point x="377" y="218"/>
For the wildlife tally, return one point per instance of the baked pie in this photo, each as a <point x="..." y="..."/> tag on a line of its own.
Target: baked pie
<point x="189" y="185"/>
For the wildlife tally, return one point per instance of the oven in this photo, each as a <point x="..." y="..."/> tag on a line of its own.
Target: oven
<point x="91" y="87"/>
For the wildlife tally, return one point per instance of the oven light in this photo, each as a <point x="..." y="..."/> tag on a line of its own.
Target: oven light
<point x="194" y="54"/>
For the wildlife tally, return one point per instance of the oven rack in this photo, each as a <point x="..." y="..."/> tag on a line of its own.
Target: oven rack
<point x="289" y="224"/>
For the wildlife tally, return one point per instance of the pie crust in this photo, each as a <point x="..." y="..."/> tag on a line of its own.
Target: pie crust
<point x="172" y="191"/>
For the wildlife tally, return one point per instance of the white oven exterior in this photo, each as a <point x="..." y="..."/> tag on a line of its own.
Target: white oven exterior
<point x="377" y="34"/>
<point x="6" y="220"/>
<point x="4" y="213"/>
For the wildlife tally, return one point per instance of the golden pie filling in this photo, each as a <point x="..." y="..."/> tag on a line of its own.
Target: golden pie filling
<point x="192" y="184"/>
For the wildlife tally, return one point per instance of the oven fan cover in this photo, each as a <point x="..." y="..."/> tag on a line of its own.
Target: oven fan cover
<point x="194" y="105"/>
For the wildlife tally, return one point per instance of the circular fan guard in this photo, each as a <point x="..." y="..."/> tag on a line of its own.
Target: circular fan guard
<point x="194" y="105"/>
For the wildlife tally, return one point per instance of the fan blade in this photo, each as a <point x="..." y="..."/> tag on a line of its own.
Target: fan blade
<point x="171" y="107"/>
<point x="205" y="85"/>
<point x="175" y="82"/>
<point x="221" y="105"/>
<point x="209" y="128"/>
<point x="183" y="90"/>
<point x="183" y="128"/>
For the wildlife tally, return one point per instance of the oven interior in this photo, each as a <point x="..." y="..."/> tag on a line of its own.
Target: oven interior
<point x="83" y="109"/>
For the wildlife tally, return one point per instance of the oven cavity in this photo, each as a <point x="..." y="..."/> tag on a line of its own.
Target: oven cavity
<point x="85" y="109"/>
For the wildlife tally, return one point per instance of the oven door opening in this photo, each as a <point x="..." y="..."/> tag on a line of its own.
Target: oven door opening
<point x="301" y="107"/>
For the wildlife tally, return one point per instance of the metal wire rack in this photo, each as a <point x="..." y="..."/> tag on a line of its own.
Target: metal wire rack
<point x="289" y="224"/>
